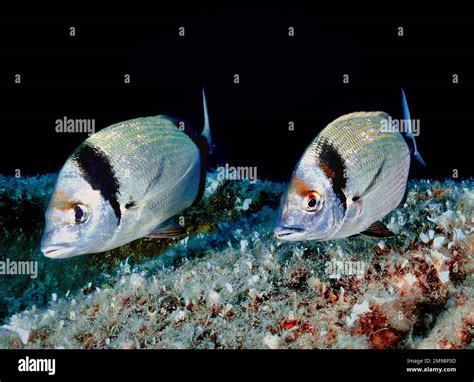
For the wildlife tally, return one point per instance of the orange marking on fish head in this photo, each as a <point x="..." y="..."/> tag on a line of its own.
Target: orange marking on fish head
<point x="327" y="170"/>
<point x="62" y="200"/>
<point x="300" y="187"/>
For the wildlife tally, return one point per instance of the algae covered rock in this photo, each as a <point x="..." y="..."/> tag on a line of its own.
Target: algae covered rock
<point x="228" y="283"/>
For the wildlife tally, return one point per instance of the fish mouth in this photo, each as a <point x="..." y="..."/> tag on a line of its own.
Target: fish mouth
<point x="289" y="233"/>
<point x="57" y="251"/>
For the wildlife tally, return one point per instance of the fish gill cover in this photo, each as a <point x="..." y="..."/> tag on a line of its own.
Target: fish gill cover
<point x="230" y="284"/>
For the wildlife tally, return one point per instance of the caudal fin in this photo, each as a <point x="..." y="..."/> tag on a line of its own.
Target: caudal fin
<point x="206" y="132"/>
<point x="408" y="135"/>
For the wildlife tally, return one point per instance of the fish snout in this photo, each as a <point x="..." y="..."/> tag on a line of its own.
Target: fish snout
<point x="288" y="233"/>
<point x="57" y="251"/>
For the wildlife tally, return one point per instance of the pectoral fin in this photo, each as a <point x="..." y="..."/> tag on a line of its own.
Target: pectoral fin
<point x="378" y="229"/>
<point x="354" y="209"/>
<point x="372" y="186"/>
<point x="167" y="229"/>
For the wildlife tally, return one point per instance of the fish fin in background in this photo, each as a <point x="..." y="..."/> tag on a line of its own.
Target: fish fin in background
<point x="378" y="229"/>
<point x="168" y="229"/>
<point x="206" y="148"/>
<point x="214" y="157"/>
<point x="204" y="143"/>
<point x="408" y="135"/>
<point x="206" y="131"/>
<point x="203" y="140"/>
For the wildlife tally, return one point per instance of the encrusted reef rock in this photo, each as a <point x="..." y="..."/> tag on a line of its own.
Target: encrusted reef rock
<point x="230" y="284"/>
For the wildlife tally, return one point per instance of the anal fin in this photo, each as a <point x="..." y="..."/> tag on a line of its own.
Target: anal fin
<point x="378" y="229"/>
<point x="168" y="229"/>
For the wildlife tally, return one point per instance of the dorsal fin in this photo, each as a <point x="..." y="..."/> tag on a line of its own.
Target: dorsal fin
<point x="361" y="114"/>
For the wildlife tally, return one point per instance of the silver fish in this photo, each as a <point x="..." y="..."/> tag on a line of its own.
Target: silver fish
<point x="353" y="174"/>
<point x="125" y="182"/>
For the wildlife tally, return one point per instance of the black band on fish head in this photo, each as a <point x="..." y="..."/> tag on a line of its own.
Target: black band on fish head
<point x="334" y="167"/>
<point x="98" y="172"/>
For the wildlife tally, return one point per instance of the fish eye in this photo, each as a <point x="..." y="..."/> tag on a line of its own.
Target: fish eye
<point x="80" y="213"/>
<point x="313" y="202"/>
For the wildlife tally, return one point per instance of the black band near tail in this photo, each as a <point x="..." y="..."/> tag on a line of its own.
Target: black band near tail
<point x="98" y="172"/>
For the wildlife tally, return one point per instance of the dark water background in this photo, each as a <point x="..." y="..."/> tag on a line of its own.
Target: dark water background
<point x="282" y="79"/>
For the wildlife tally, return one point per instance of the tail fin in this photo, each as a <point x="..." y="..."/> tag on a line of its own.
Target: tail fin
<point x="409" y="137"/>
<point x="206" y="132"/>
<point x="206" y="148"/>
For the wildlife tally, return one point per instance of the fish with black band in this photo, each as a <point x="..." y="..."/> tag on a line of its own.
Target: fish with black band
<point x="123" y="183"/>
<point x="352" y="175"/>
